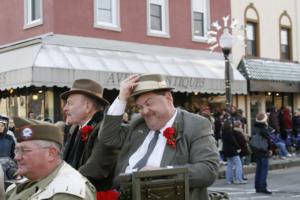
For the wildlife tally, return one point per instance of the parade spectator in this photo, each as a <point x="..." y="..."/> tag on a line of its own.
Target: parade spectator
<point x="243" y="119"/>
<point x="242" y="139"/>
<point x="231" y="149"/>
<point x="218" y="120"/>
<point x="31" y="115"/>
<point x="235" y="116"/>
<point x="296" y="129"/>
<point x="84" y="150"/>
<point x="205" y="112"/>
<point x="162" y="135"/>
<point x="296" y="123"/>
<point x="217" y="124"/>
<point x="285" y="121"/>
<point x="47" y="176"/>
<point x="279" y="144"/>
<point x="262" y="156"/>
<point x="7" y="143"/>
<point x="11" y="129"/>
<point x="273" y="119"/>
<point x="7" y="147"/>
<point x="11" y="125"/>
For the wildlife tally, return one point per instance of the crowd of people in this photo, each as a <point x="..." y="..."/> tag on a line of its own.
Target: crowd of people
<point x="83" y="156"/>
<point x="280" y="129"/>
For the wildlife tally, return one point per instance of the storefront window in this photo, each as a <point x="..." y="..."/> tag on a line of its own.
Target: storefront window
<point x="269" y="101"/>
<point x="36" y="104"/>
<point x="21" y="105"/>
<point x="196" y="101"/>
<point x="278" y="100"/>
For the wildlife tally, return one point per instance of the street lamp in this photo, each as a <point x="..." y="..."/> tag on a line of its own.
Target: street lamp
<point x="226" y="41"/>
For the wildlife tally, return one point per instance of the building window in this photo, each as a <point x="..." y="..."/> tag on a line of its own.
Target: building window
<point x="285" y="47"/>
<point x="198" y="24"/>
<point x="158" y="18"/>
<point x="107" y="14"/>
<point x="251" y="39"/>
<point x="285" y="28"/>
<point x="33" y="13"/>
<point x="155" y="12"/>
<point x="200" y="19"/>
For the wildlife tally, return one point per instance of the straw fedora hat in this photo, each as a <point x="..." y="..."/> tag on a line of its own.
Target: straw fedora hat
<point x="149" y="83"/>
<point x="87" y="87"/>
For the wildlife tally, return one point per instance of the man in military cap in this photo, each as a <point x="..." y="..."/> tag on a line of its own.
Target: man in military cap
<point x="46" y="175"/>
<point x="83" y="149"/>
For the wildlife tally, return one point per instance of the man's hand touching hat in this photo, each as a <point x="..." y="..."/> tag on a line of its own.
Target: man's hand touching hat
<point x="127" y="86"/>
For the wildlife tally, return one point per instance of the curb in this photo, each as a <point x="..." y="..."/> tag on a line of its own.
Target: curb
<point x="273" y="165"/>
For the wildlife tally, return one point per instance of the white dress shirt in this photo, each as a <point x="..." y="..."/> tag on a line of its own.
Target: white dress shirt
<point x="118" y="108"/>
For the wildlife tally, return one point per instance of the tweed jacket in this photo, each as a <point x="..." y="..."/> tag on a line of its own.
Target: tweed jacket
<point x="97" y="160"/>
<point x="63" y="183"/>
<point x="195" y="147"/>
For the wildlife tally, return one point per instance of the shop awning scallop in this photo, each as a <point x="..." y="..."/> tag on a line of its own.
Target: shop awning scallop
<point x="270" y="75"/>
<point x="59" y="60"/>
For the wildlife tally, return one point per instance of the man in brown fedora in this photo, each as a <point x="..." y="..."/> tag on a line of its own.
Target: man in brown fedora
<point x="47" y="176"/>
<point x="162" y="135"/>
<point x="83" y="149"/>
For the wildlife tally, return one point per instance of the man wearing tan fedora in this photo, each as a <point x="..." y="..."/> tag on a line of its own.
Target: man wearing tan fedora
<point x="46" y="175"/>
<point x="83" y="149"/>
<point x="162" y="135"/>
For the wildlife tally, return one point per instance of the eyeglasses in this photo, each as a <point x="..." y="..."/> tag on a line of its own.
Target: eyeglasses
<point x="21" y="151"/>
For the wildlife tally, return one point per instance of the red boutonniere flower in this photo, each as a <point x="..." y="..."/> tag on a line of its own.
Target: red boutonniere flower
<point x="169" y="133"/>
<point x="85" y="131"/>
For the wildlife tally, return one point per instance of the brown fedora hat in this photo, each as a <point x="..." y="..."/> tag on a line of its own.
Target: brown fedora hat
<point x="149" y="83"/>
<point x="87" y="87"/>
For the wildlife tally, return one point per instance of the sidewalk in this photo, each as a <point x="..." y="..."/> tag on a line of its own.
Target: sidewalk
<point x="273" y="165"/>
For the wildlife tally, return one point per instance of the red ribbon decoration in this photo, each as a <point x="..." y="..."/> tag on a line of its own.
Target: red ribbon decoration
<point x="169" y="133"/>
<point x="85" y="131"/>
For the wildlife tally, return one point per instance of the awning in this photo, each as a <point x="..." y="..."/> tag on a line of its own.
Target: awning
<point x="54" y="64"/>
<point x="270" y="75"/>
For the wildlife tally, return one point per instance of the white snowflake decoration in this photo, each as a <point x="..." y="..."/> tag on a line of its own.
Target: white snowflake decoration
<point x="216" y="27"/>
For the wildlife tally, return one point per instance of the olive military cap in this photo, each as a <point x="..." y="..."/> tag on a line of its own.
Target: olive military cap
<point x="27" y="130"/>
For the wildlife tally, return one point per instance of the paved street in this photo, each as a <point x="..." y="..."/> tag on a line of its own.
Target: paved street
<point x="284" y="184"/>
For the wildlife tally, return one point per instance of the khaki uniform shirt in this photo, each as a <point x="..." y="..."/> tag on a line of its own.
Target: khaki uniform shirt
<point x="63" y="183"/>
<point x="1" y="183"/>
